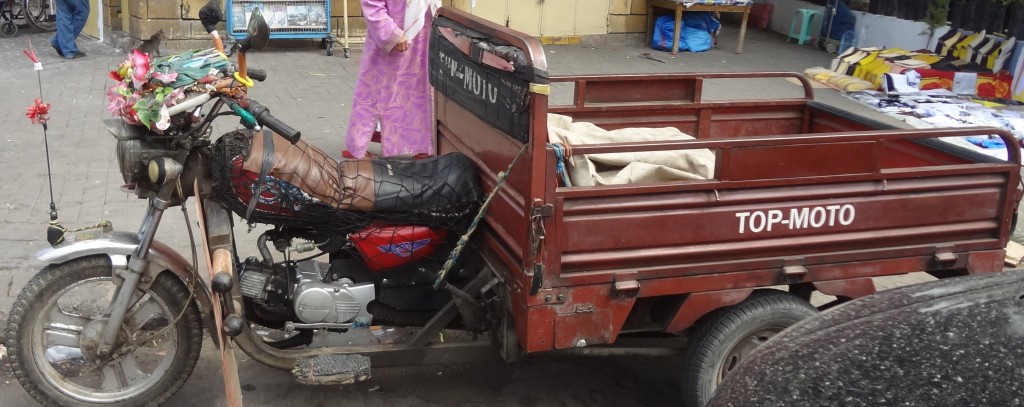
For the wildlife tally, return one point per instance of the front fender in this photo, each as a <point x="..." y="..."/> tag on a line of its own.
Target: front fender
<point x="118" y="245"/>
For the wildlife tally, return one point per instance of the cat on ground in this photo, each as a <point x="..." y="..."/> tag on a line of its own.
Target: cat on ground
<point x="152" y="45"/>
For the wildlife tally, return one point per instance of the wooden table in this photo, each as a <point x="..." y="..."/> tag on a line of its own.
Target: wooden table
<point x="680" y="8"/>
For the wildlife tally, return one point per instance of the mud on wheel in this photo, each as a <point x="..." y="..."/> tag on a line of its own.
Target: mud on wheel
<point x="725" y="337"/>
<point x="58" y="316"/>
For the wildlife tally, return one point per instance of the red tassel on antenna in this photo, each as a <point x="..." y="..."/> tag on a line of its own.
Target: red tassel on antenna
<point x="31" y="53"/>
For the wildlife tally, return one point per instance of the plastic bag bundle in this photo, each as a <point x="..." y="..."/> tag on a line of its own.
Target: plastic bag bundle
<point x="696" y="34"/>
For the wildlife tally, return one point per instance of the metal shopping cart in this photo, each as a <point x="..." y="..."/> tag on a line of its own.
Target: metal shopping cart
<point x="292" y="19"/>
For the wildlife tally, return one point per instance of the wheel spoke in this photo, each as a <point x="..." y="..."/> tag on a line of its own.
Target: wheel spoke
<point x="65" y="320"/>
<point x="111" y="380"/>
<point x="56" y="337"/>
<point x="147" y="316"/>
<point x="130" y="370"/>
<point x="73" y="311"/>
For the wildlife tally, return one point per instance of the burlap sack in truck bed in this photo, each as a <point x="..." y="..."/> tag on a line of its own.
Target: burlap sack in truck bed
<point x="627" y="168"/>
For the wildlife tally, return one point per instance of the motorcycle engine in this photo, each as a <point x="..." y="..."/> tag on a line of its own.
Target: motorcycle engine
<point x="313" y="300"/>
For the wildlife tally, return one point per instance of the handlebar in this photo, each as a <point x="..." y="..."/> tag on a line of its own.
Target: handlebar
<point x="263" y="116"/>
<point x="256" y="74"/>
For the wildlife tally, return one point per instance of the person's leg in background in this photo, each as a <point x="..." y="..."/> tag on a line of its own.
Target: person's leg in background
<point x="71" y="17"/>
<point x="63" y="40"/>
<point x="79" y="15"/>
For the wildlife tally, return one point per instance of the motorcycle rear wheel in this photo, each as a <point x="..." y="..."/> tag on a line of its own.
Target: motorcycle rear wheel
<point x="65" y="304"/>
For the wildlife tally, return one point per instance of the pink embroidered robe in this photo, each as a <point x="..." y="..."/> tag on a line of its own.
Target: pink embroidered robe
<point x="393" y="86"/>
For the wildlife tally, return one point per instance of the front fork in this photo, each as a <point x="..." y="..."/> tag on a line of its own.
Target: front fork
<point x="136" y="266"/>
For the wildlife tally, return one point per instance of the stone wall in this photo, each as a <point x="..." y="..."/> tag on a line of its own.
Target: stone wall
<point x="627" y="21"/>
<point x="179" y="19"/>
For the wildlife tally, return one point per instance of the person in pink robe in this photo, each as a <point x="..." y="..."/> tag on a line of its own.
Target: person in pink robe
<point x="393" y="86"/>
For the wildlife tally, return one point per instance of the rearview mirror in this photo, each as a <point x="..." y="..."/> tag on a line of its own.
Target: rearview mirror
<point x="257" y="33"/>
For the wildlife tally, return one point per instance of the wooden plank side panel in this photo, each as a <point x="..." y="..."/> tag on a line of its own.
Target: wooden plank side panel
<point x="823" y="121"/>
<point x="907" y="153"/>
<point x="800" y="160"/>
<point x="491" y="151"/>
<point x="686" y="120"/>
<point x="631" y="91"/>
<point x="719" y="121"/>
<point x="752" y="225"/>
<point x="659" y="197"/>
<point x="767" y="120"/>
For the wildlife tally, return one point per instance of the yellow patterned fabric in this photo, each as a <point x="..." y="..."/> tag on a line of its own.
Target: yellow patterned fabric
<point x="961" y="47"/>
<point x="997" y="59"/>
<point x="927" y="58"/>
<point x="859" y="70"/>
<point x="949" y="44"/>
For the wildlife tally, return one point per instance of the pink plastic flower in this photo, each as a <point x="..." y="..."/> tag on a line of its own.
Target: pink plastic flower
<point x="174" y="97"/>
<point x="140" y="67"/>
<point x="166" y="78"/>
<point x="121" y="105"/>
<point x="116" y="101"/>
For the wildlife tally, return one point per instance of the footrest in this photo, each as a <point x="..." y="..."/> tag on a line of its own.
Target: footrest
<point x="332" y="369"/>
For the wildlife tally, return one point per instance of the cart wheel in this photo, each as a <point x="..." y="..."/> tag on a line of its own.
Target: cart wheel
<point x="8" y="29"/>
<point x="323" y="43"/>
<point x="330" y="48"/>
<point x="725" y="337"/>
<point x="831" y="48"/>
<point x="347" y="53"/>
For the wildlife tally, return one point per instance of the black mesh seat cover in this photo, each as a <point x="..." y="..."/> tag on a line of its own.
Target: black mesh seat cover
<point x="418" y="185"/>
<point x="306" y="189"/>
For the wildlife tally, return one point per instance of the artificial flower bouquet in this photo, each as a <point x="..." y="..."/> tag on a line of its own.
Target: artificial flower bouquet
<point x="145" y="88"/>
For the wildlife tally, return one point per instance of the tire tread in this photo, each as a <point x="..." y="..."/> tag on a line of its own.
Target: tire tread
<point x="45" y="278"/>
<point x="712" y="330"/>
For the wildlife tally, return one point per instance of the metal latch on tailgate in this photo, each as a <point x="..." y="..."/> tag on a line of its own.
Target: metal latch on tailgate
<point x="539" y="211"/>
<point x="794" y="266"/>
<point x="626" y="283"/>
<point x="944" y="255"/>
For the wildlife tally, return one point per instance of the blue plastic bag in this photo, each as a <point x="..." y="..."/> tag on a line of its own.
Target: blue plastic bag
<point x="664" y="27"/>
<point x="694" y="36"/>
<point x="701" y="20"/>
<point x="697" y="40"/>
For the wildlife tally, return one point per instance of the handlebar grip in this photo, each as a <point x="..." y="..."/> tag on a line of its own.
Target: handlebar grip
<point x="255" y="74"/>
<point x="263" y="116"/>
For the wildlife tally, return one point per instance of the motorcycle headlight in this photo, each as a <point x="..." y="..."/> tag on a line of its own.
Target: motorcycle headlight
<point x="163" y="169"/>
<point x="133" y="158"/>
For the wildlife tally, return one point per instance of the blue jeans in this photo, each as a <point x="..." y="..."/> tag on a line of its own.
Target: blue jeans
<point x="71" y="16"/>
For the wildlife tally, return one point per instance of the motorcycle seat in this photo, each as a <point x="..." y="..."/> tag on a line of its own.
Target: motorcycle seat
<point x="411" y="185"/>
<point x="371" y="185"/>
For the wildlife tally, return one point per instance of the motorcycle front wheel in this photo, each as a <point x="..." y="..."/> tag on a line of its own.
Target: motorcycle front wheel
<point x="56" y="320"/>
